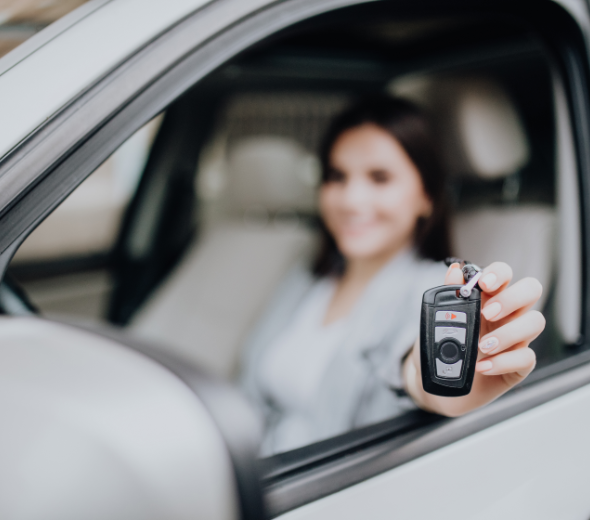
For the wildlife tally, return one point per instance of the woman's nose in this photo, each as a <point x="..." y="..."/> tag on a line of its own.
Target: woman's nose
<point x="355" y="194"/>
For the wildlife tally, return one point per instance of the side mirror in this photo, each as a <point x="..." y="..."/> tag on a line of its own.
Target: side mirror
<point x="92" y="428"/>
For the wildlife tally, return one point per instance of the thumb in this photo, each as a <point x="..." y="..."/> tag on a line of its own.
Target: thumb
<point x="454" y="275"/>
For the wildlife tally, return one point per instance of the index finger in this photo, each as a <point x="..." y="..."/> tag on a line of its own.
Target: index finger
<point x="454" y="275"/>
<point x="495" y="277"/>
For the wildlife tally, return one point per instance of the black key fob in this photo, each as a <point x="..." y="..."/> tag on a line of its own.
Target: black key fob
<point x="449" y="335"/>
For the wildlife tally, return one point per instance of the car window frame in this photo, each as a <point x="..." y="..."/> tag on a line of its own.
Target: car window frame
<point x="358" y="455"/>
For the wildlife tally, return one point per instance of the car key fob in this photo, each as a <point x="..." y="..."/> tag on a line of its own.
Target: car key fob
<point x="449" y="334"/>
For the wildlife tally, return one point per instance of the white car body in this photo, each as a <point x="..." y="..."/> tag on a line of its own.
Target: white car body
<point x="526" y="456"/>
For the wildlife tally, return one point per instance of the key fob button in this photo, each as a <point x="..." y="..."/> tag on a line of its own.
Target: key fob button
<point x="454" y="316"/>
<point x="449" y="371"/>
<point x="457" y="333"/>
<point x="449" y="352"/>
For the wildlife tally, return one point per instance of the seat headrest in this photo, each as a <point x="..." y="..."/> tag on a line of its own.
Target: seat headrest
<point x="271" y="173"/>
<point x="263" y="156"/>
<point x="475" y="121"/>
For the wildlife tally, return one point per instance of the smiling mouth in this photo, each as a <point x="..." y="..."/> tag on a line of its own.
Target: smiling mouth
<point x="357" y="228"/>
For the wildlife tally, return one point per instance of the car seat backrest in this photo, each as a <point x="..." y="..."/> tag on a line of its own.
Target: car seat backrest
<point x="483" y="138"/>
<point x="257" y="182"/>
<point x="213" y="298"/>
<point x="520" y="236"/>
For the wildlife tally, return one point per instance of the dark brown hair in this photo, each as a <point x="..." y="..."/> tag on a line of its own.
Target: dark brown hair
<point x="408" y="125"/>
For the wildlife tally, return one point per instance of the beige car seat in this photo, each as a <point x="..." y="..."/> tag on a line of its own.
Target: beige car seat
<point x="483" y="136"/>
<point x="207" y="306"/>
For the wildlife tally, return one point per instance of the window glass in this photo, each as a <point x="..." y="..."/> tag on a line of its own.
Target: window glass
<point x="64" y="262"/>
<point x="199" y="233"/>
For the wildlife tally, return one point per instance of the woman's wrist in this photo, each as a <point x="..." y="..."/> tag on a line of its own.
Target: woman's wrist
<point x="413" y="381"/>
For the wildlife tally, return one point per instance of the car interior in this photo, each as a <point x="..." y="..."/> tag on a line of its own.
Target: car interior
<point x="185" y="233"/>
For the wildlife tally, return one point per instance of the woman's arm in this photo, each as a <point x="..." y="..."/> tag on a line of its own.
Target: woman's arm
<point x="504" y="358"/>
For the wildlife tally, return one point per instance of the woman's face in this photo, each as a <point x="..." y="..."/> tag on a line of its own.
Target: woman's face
<point x="373" y="196"/>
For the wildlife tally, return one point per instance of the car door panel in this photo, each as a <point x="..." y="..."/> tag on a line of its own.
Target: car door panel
<point x="535" y="465"/>
<point x="93" y="429"/>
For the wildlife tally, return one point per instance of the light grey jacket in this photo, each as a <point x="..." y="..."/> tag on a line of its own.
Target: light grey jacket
<point x="363" y="383"/>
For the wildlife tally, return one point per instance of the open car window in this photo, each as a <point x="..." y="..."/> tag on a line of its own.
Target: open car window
<point x="186" y="233"/>
<point x="65" y="263"/>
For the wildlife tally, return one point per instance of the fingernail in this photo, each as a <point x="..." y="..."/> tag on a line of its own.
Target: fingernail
<point x="491" y="311"/>
<point x="489" y="280"/>
<point x="488" y="344"/>
<point x="484" y="366"/>
<point x="451" y="267"/>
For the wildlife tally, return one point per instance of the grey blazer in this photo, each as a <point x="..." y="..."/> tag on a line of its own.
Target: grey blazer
<point x="363" y="384"/>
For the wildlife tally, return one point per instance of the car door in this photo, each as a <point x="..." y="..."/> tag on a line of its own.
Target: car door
<point x="522" y="456"/>
<point x="95" y="428"/>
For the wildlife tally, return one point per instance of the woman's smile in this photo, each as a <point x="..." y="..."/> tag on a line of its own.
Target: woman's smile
<point x="356" y="226"/>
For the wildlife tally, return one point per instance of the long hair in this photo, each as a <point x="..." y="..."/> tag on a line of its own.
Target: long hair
<point x="408" y="125"/>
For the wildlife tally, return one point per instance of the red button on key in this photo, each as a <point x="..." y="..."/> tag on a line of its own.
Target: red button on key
<point x="458" y="317"/>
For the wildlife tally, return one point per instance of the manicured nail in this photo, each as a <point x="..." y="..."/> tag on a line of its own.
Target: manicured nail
<point x="451" y="267"/>
<point x="489" y="280"/>
<point x="491" y="311"/>
<point x="484" y="366"/>
<point x="488" y="344"/>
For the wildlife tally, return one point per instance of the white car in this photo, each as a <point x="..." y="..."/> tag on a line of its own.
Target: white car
<point x="183" y="134"/>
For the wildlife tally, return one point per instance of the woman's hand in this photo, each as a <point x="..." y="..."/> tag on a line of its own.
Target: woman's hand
<point x="507" y="328"/>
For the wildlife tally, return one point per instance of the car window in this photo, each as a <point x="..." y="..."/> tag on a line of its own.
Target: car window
<point x="186" y="235"/>
<point x="64" y="263"/>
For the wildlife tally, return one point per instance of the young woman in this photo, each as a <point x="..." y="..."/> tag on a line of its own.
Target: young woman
<point x="338" y="347"/>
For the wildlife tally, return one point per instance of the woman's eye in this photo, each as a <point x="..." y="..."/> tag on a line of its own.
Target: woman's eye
<point x="380" y="176"/>
<point x="334" y="175"/>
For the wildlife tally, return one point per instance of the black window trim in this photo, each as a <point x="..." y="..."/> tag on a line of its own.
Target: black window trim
<point x="152" y="86"/>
